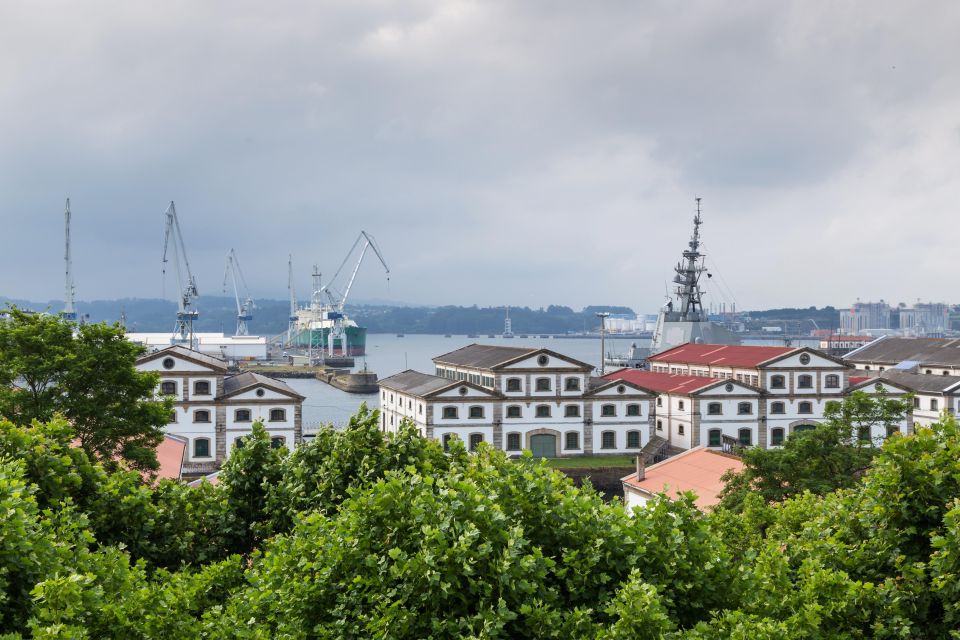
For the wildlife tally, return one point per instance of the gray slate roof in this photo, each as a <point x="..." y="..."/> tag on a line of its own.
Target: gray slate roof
<point x="189" y="354"/>
<point x="416" y="383"/>
<point x="249" y="379"/>
<point x="483" y="356"/>
<point x="922" y="382"/>
<point x="892" y="350"/>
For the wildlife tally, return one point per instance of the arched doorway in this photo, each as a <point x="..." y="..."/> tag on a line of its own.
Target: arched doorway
<point x="543" y="446"/>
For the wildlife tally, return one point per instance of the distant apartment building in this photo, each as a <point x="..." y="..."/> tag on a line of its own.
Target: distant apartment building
<point x="925" y="319"/>
<point x="863" y="317"/>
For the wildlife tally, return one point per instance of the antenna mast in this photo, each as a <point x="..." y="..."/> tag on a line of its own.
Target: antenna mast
<point x="173" y="242"/>
<point x="688" y="276"/>
<point x="69" y="312"/>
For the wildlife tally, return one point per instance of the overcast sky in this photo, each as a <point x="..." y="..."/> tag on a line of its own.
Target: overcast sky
<point x="525" y="153"/>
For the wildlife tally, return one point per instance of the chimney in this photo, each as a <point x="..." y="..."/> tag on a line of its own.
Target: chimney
<point x="641" y="469"/>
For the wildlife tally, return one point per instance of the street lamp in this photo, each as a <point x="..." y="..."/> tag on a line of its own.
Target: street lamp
<point x="603" y="315"/>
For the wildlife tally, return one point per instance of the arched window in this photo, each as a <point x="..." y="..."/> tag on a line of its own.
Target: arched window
<point x="449" y="413"/>
<point x="776" y="436"/>
<point x="514" y="384"/>
<point x="744" y="408"/>
<point x="241" y="415"/>
<point x="201" y="448"/>
<point x="832" y="381"/>
<point x="800" y="428"/>
<point x="608" y="440"/>
<point x="276" y="442"/>
<point x="476" y="412"/>
<point x="572" y="384"/>
<point x="714" y="438"/>
<point x="571" y="411"/>
<point x="745" y="437"/>
<point x="805" y="407"/>
<point x="777" y="407"/>
<point x="513" y="442"/>
<point x="805" y="381"/>
<point x="278" y="415"/>
<point x="201" y="388"/>
<point x="513" y="411"/>
<point x="633" y="439"/>
<point x="572" y="440"/>
<point x="475" y="440"/>
<point x="714" y="409"/>
<point x="777" y="382"/>
<point x="633" y="409"/>
<point x="608" y="410"/>
<point x="543" y="411"/>
<point x="168" y="388"/>
<point x="543" y="384"/>
<point x="201" y="415"/>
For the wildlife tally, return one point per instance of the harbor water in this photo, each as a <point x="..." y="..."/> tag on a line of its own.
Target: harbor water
<point x="388" y="354"/>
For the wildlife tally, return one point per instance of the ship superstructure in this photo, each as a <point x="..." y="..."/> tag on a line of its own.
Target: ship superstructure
<point x="686" y="321"/>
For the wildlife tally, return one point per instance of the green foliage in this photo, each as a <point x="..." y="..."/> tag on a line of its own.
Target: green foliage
<point x="87" y="374"/>
<point x="319" y="475"/>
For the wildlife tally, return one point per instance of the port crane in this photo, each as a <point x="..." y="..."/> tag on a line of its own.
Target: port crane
<point x="292" y="318"/>
<point x="245" y="308"/>
<point x="173" y="244"/>
<point x="69" y="311"/>
<point x="338" y="299"/>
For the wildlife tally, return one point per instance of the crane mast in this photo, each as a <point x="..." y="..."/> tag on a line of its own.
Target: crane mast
<point x="245" y="308"/>
<point x="69" y="312"/>
<point x="173" y="244"/>
<point x="292" y="318"/>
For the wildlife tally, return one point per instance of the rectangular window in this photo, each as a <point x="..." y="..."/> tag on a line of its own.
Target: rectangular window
<point x="543" y="411"/>
<point x="608" y="410"/>
<point x="633" y="439"/>
<point x="608" y="440"/>
<point x="168" y="388"/>
<point x="475" y="440"/>
<point x="201" y="448"/>
<point x="776" y="437"/>
<point x="543" y="384"/>
<point x="777" y="407"/>
<point x="572" y="384"/>
<point x="514" y="384"/>
<point x="513" y="442"/>
<point x="513" y="412"/>
<point x="476" y="412"/>
<point x="571" y="411"/>
<point x="680" y="429"/>
<point x="572" y="440"/>
<point x="449" y="413"/>
<point x="278" y="415"/>
<point x="745" y="437"/>
<point x="633" y="409"/>
<point x="714" y="438"/>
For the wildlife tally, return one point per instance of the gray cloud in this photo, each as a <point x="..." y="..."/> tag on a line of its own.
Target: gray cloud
<point x="521" y="153"/>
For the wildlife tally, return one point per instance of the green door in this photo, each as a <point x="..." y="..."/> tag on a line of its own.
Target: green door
<point x="543" y="446"/>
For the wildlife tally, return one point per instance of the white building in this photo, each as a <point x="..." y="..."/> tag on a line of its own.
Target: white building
<point x="933" y="395"/>
<point x="755" y="395"/>
<point x="929" y="356"/>
<point x="217" y="345"/>
<point x="520" y="398"/>
<point x="213" y="411"/>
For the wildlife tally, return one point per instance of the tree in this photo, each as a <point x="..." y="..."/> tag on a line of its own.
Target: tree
<point x="87" y="374"/>
<point x="829" y="457"/>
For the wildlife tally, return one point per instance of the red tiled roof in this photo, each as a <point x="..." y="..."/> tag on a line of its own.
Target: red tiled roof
<point x="720" y="354"/>
<point x="698" y="470"/>
<point x="855" y="380"/>
<point x="170" y="456"/>
<point x="662" y="382"/>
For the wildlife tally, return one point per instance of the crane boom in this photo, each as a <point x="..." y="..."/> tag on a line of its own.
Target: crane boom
<point x="245" y="308"/>
<point x="173" y="242"/>
<point x="69" y="312"/>
<point x="338" y="301"/>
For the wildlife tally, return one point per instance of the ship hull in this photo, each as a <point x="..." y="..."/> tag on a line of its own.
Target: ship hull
<point x="356" y="340"/>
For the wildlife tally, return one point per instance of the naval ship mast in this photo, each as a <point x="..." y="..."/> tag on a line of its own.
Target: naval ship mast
<point x="688" y="276"/>
<point x="688" y="322"/>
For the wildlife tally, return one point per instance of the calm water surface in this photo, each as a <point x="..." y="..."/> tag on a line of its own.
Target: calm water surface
<point x="387" y="354"/>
